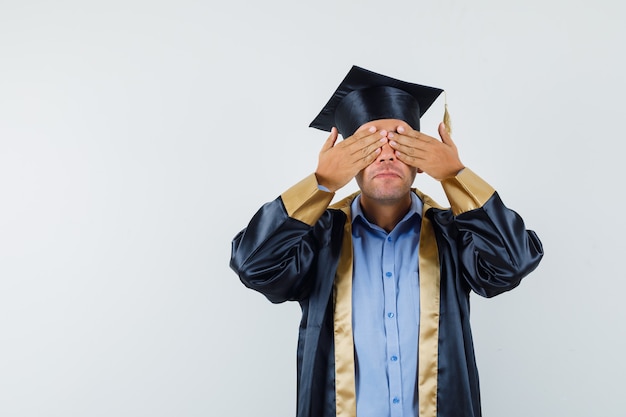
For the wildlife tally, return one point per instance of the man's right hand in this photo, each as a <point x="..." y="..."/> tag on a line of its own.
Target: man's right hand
<point x="339" y="163"/>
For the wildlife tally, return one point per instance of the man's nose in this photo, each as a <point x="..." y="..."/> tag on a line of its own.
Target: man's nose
<point x="387" y="153"/>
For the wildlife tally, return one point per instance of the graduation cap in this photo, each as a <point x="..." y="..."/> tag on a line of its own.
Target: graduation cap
<point x="364" y="96"/>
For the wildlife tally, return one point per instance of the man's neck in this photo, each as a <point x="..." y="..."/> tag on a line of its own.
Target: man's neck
<point x="387" y="214"/>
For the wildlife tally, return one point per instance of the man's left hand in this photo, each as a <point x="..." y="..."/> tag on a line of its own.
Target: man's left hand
<point x="439" y="159"/>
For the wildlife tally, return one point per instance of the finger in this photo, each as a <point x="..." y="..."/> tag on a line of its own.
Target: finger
<point x="407" y="132"/>
<point x="332" y="138"/>
<point x="411" y="138"/>
<point x="409" y="145"/>
<point x="444" y="135"/>
<point x="362" y="144"/>
<point x="367" y="159"/>
<point x="369" y="153"/>
<point x="361" y="136"/>
<point x="409" y="151"/>
<point x="418" y="159"/>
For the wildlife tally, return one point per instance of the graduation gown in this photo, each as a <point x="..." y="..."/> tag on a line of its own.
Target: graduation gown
<point x="298" y="248"/>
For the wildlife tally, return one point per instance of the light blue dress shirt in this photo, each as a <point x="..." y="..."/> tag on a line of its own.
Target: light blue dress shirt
<point x="385" y="313"/>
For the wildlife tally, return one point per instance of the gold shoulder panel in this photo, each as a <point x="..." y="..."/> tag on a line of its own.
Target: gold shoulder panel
<point x="305" y="201"/>
<point x="467" y="191"/>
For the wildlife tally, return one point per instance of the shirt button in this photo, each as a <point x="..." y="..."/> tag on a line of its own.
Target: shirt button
<point x="389" y="239"/>
<point x="396" y="400"/>
<point x="388" y="274"/>
<point x="394" y="358"/>
<point x="390" y="315"/>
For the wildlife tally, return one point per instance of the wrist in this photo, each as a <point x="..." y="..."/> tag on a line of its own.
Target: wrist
<point x="454" y="172"/>
<point x="324" y="184"/>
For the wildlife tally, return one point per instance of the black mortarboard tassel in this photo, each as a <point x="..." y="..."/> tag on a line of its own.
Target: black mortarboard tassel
<point x="364" y="96"/>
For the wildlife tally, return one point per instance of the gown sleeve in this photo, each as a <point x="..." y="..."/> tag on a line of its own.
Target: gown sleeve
<point x="276" y="252"/>
<point x="495" y="250"/>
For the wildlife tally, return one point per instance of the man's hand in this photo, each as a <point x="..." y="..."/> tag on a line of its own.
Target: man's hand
<point x="439" y="159"/>
<point x="339" y="163"/>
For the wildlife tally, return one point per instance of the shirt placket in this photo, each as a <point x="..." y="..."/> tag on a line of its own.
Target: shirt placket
<point x="390" y="286"/>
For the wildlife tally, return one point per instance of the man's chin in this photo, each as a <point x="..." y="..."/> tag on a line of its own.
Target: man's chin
<point x="387" y="197"/>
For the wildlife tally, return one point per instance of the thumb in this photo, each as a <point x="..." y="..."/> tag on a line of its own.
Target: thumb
<point x="332" y="138"/>
<point x="444" y="135"/>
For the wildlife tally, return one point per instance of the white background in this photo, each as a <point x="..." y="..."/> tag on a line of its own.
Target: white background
<point x="138" y="137"/>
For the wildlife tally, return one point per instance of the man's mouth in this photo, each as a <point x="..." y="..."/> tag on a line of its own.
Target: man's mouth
<point x="387" y="174"/>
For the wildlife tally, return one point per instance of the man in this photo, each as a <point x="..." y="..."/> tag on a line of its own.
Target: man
<point x="383" y="277"/>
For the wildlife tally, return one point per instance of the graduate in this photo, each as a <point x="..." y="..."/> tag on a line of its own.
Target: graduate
<point x="383" y="276"/>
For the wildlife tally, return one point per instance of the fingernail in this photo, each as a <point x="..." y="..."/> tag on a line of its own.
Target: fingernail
<point x="390" y="135"/>
<point x="400" y="129"/>
<point x="372" y="129"/>
<point x="392" y="143"/>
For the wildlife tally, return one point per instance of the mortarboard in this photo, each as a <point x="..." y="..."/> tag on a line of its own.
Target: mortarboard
<point x="364" y="96"/>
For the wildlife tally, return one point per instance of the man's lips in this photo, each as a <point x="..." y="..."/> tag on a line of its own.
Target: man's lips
<point x="387" y="174"/>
